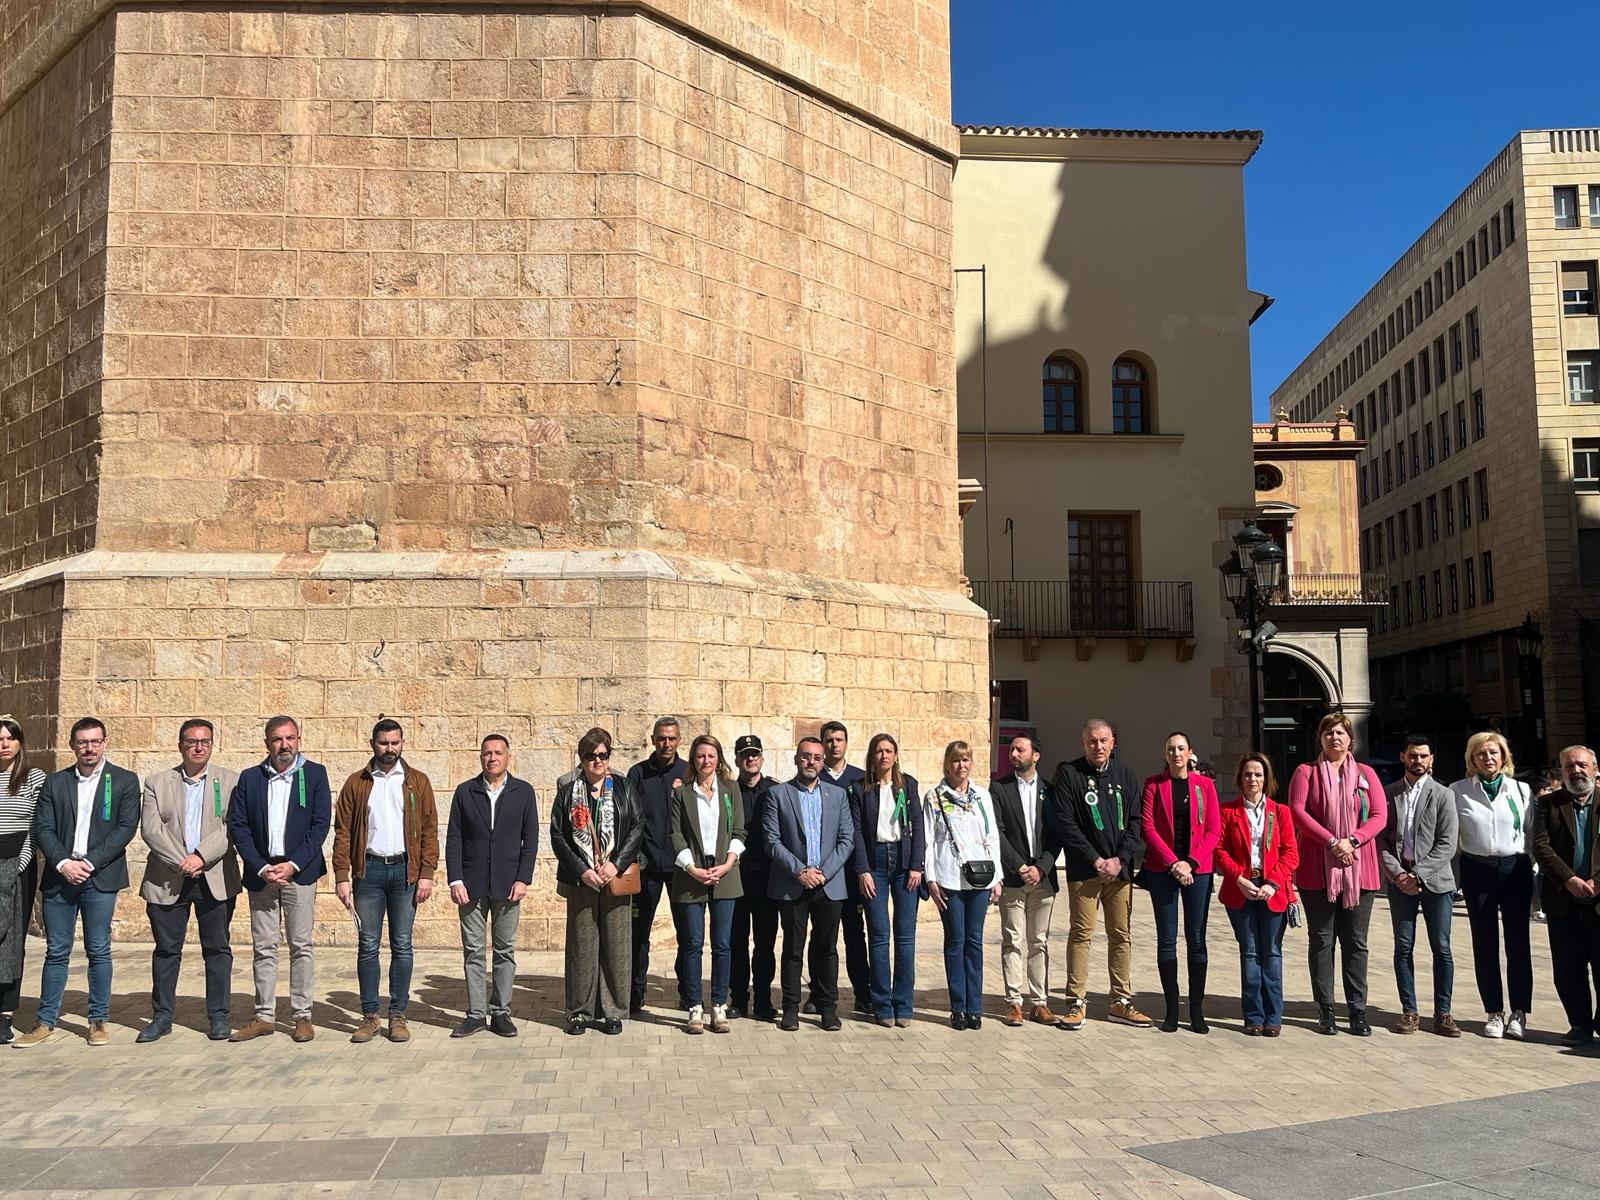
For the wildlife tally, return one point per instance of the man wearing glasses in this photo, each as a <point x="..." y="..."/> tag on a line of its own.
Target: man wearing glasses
<point x="191" y="866"/>
<point x="86" y="817"/>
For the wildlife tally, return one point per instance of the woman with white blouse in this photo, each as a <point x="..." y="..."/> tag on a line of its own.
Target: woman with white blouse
<point x="1497" y="878"/>
<point x="19" y="795"/>
<point x="963" y="877"/>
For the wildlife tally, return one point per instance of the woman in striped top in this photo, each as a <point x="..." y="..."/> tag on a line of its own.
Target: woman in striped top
<point x="19" y="793"/>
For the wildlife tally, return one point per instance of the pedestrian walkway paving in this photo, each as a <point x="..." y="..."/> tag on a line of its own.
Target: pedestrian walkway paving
<point x="1015" y="1114"/>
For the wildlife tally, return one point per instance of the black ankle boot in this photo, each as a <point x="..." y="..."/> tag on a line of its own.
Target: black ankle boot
<point x="1197" y="997"/>
<point x="1326" y="1023"/>
<point x="6" y="1033"/>
<point x="1169" y="992"/>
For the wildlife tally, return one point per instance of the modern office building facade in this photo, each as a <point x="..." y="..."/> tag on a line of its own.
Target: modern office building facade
<point x="1472" y="371"/>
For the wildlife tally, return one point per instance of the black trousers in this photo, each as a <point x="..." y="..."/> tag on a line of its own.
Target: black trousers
<point x="168" y="925"/>
<point x="1575" y="960"/>
<point x="1499" y="892"/>
<point x="754" y="914"/>
<point x="852" y="919"/>
<point x="823" y="915"/>
<point x="1327" y="922"/>
<point x="651" y="884"/>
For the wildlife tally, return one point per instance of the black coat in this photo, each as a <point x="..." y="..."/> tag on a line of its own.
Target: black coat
<point x="1119" y="797"/>
<point x="652" y="786"/>
<point x="753" y="863"/>
<point x="629" y="830"/>
<point x="489" y="860"/>
<point x="1014" y="850"/>
<point x="55" y="821"/>
<point x="864" y="813"/>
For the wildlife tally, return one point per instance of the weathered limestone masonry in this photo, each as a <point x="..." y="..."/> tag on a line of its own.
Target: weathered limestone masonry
<point x="520" y="369"/>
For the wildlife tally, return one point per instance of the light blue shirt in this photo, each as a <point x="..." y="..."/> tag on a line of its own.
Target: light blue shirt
<point x="811" y="818"/>
<point x="194" y="798"/>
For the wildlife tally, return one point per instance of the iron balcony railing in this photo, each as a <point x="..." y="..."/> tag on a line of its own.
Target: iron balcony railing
<point x="1062" y="608"/>
<point x="1369" y="587"/>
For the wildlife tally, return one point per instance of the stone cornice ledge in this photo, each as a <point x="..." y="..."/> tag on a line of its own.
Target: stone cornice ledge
<point x="645" y="565"/>
<point x="47" y="29"/>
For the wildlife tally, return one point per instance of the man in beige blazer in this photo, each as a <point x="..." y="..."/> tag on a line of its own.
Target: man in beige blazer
<point x="191" y="865"/>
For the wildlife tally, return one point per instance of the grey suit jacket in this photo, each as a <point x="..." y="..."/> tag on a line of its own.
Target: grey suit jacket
<point x="785" y="835"/>
<point x="1434" y="835"/>
<point x="161" y="826"/>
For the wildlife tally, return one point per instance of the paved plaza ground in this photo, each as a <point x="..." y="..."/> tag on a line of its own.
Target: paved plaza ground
<point x="1017" y="1114"/>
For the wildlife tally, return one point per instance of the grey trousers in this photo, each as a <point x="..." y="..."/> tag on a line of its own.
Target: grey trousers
<point x="599" y="966"/>
<point x="293" y="907"/>
<point x="476" y="920"/>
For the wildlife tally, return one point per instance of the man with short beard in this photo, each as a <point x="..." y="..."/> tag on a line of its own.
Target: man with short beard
<point x="1566" y="844"/>
<point x="653" y="779"/>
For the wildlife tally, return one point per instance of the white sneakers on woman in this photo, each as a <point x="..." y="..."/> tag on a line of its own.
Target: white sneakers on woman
<point x="1495" y="1026"/>
<point x="1516" y="1025"/>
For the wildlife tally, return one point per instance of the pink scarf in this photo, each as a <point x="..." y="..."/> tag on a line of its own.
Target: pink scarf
<point x="1336" y="788"/>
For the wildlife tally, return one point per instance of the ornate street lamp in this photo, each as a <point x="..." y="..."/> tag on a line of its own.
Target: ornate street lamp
<point x="1250" y="577"/>
<point x="1530" y="677"/>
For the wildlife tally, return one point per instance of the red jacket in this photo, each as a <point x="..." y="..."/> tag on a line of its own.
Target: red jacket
<point x="1278" y="859"/>
<point x="1205" y="824"/>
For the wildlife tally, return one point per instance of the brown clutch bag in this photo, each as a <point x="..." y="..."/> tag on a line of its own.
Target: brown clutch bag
<point x="626" y="882"/>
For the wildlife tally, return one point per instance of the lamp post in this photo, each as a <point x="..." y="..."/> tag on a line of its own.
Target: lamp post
<point x="1251" y="574"/>
<point x="1530" y="680"/>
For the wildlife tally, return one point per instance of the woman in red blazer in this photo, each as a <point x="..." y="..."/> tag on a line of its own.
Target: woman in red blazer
<point x="1257" y="857"/>
<point x="1182" y="822"/>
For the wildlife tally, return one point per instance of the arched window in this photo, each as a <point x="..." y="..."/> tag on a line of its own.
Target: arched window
<point x="1063" y="395"/>
<point x="1130" y="397"/>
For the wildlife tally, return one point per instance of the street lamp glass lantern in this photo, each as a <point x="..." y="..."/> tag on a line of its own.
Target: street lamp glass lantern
<point x="1248" y="538"/>
<point x="1530" y="640"/>
<point x="1233" y="580"/>
<point x="1267" y="561"/>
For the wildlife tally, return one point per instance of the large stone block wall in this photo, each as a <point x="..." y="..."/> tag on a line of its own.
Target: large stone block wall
<point x="54" y="185"/>
<point x="534" y="645"/>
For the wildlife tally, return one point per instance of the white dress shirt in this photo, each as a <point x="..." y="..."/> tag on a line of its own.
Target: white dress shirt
<point x="88" y="793"/>
<point x="1409" y="797"/>
<point x="707" y="806"/>
<point x="494" y="790"/>
<point x="888" y="827"/>
<point x="1490" y="829"/>
<point x="386" y="812"/>
<point x="279" y="787"/>
<point x="1028" y="797"/>
<point x="1256" y="814"/>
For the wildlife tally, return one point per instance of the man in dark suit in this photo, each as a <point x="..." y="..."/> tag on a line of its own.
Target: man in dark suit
<point x="1029" y="882"/>
<point x="653" y="779"/>
<point x="809" y="835"/>
<point x="489" y="850"/>
<point x="85" y="818"/>
<point x="282" y="811"/>
<point x="1565" y="837"/>
<point x="852" y="917"/>
<point x="1417" y="851"/>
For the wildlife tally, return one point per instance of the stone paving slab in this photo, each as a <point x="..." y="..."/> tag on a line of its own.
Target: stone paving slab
<point x="1013" y="1114"/>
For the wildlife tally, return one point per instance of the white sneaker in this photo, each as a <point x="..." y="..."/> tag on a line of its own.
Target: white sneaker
<point x="1516" y="1025"/>
<point x="697" y="1020"/>
<point x="1495" y="1026"/>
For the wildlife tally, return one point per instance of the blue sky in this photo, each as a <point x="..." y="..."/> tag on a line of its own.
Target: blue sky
<point x="1375" y="115"/>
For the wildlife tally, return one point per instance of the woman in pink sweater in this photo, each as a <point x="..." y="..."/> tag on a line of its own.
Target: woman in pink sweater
<point x="1339" y="809"/>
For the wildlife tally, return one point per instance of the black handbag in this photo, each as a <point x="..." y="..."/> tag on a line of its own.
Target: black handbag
<point x="978" y="873"/>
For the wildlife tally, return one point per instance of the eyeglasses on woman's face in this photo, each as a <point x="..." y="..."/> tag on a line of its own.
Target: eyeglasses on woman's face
<point x="597" y="756"/>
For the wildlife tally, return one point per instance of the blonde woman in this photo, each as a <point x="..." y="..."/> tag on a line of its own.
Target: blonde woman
<point x="1497" y="878"/>
<point x="963" y="877"/>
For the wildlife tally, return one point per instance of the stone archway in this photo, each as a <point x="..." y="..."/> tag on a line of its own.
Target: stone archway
<point x="1296" y="690"/>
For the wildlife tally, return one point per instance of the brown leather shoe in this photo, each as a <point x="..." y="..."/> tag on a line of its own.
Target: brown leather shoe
<point x="399" y="1031"/>
<point x="1043" y="1015"/>
<point x="254" y="1028"/>
<point x="302" y="1029"/>
<point x="1013" y="1015"/>
<point x="1074" y="1016"/>
<point x="366" y="1031"/>
<point x="1123" y="1012"/>
<point x="37" y="1036"/>
<point x="99" y="1035"/>
<point x="1408" y="1023"/>
<point x="1445" y="1025"/>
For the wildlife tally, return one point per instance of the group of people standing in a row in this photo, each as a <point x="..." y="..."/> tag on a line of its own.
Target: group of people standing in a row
<point x="835" y="846"/>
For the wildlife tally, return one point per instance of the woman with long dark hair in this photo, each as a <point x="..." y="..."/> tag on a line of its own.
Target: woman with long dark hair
<point x="888" y="860"/>
<point x="19" y="795"/>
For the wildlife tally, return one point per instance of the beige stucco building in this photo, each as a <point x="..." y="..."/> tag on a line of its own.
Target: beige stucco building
<point x="1472" y="369"/>
<point x="1102" y="340"/>
<point x="1316" y="661"/>
<point x="488" y="367"/>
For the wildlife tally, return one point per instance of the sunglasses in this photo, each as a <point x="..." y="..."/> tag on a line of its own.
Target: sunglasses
<point x="598" y="756"/>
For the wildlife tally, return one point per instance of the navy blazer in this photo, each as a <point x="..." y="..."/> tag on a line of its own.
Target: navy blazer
<point x="785" y="834"/>
<point x="304" y="832"/>
<point x="55" y="825"/>
<point x="864" y="814"/>
<point x="487" y="859"/>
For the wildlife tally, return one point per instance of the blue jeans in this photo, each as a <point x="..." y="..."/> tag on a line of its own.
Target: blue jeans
<point x="61" y="911"/>
<point x="1260" y="934"/>
<point x="694" y="943"/>
<point x="891" y="999"/>
<point x="1165" y="892"/>
<point x="963" y="948"/>
<point x="1435" y="908"/>
<point x="381" y="891"/>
